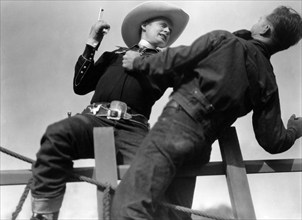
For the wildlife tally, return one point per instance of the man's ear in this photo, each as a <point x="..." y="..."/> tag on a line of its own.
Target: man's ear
<point x="266" y="30"/>
<point x="143" y="26"/>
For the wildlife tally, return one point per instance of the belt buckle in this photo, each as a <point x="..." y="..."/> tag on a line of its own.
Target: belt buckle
<point x="117" y="110"/>
<point x="94" y="108"/>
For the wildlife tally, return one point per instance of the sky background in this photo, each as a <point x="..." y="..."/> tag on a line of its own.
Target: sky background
<point x="40" y="44"/>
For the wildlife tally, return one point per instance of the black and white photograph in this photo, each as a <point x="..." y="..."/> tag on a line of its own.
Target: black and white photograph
<point x="151" y="110"/>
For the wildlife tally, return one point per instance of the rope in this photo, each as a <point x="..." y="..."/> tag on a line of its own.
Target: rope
<point x="192" y="211"/>
<point x="13" y="154"/>
<point x="22" y="200"/>
<point x="107" y="203"/>
<point x="73" y="175"/>
<point x="106" y="188"/>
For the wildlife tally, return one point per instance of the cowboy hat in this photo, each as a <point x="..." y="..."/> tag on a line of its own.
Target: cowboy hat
<point x="148" y="10"/>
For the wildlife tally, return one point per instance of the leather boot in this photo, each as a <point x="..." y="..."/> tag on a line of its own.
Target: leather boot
<point x="48" y="216"/>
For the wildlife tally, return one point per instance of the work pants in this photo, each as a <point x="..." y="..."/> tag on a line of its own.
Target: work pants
<point x="176" y="140"/>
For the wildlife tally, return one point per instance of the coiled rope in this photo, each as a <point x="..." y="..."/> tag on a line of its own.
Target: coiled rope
<point x="106" y="188"/>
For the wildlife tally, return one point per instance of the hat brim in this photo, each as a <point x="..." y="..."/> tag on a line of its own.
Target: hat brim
<point x="149" y="10"/>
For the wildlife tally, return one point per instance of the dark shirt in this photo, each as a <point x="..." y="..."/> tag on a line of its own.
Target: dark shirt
<point x="234" y="76"/>
<point x="109" y="80"/>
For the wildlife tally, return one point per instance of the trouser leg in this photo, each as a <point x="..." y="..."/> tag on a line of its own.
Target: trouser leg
<point x="173" y="140"/>
<point x="134" y="196"/>
<point x="180" y="192"/>
<point x="62" y="142"/>
<point x="72" y="139"/>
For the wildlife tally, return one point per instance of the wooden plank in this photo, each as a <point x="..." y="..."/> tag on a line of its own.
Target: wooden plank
<point x="21" y="177"/>
<point x="14" y="177"/>
<point x="237" y="181"/>
<point x="273" y="166"/>
<point x="105" y="161"/>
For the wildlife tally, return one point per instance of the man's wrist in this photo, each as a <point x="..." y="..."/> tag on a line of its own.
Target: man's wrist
<point x="135" y="63"/>
<point x="92" y="42"/>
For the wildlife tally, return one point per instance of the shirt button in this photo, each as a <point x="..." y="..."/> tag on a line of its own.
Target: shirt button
<point x="84" y="67"/>
<point x="82" y="71"/>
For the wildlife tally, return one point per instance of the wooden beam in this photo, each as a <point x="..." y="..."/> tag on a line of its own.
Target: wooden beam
<point x="237" y="181"/>
<point x="273" y="166"/>
<point x="21" y="177"/>
<point x="105" y="162"/>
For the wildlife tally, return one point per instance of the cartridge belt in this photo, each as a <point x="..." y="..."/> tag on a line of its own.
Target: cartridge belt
<point x="110" y="111"/>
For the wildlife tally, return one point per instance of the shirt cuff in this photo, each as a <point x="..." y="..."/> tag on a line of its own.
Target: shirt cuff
<point x="292" y="132"/>
<point x="89" y="52"/>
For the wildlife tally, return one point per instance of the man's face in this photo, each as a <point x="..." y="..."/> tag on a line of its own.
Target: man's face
<point x="259" y="27"/>
<point x="157" y="32"/>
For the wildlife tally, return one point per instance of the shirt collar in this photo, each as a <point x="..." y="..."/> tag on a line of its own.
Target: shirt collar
<point x="142" y="45"/>
<point x="145" y="44"/>
<point x="247" y="35"/>
<point x="144" y="49"/>
<point x="262" y="47"/>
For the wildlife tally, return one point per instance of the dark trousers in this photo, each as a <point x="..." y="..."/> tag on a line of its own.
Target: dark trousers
<point x="71" y="139"/>
<point x="175" y="140"/>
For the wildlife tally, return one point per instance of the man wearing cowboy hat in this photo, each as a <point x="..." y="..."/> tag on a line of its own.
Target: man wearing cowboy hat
<point x="120" y="100"/>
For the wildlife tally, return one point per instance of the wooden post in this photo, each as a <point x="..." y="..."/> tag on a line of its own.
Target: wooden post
<point x="105" y="161"/>
<point x="237" y="181"/>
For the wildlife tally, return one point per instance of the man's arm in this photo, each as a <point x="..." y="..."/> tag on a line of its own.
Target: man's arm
<point x="87" y="72"/>
<point x="173" y="59"/>
<point x="269" y="128"/>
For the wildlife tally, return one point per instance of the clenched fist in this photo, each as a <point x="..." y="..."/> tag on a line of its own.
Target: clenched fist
<point x="97" y="32"/>
<point x="296" y="124"/>
<point x="128" y="59"/>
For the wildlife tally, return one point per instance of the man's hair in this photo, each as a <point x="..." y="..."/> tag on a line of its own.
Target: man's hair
<point x="287" y="27"/>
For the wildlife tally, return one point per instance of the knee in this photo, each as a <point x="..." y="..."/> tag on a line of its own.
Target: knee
<point x="56" y="139"/>
<point x="56" y="128"/>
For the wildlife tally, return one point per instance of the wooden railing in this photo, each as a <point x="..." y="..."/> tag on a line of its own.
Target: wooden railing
<point x="232" y="166"/>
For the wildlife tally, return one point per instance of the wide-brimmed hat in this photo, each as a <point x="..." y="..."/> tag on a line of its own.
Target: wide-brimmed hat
<point x="148" y="10"/>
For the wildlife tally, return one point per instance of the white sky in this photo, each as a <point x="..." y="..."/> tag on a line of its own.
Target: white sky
<point x="40" y="43"/>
